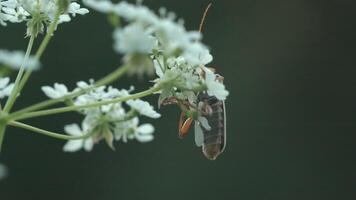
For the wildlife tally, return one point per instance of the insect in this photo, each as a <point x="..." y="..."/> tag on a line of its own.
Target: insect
<point x="211" y="135"/>
<point x="210" y="127"/>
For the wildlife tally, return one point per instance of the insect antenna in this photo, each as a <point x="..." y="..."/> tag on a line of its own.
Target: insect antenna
<point x="203" y="18"/>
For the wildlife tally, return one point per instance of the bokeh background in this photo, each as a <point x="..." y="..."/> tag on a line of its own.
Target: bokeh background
<point x="290" y="69"/>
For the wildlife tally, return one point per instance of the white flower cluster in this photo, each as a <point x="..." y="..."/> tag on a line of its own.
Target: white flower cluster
<point x="38" y="12"/>
<point x="14" y="59"/>
<point x="109" y="122"/>
<point x="178" y="55"/>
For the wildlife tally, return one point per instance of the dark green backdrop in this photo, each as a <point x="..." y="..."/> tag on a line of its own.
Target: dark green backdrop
<point x="289" y="66"/>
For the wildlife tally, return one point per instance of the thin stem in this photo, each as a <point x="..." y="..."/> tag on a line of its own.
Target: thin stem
<point x="2" y="133"/>
<point x="92" y="105"/>
<point x="112" y="76"/>
<point x="106" y="80"/>
<point x="22" y="79"/>
<point x="41" y="49"/>
<point x="14" y="93"/>
<point x="47" y="133"/>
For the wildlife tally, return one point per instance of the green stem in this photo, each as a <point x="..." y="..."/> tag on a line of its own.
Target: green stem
<point x="41" y="49"/>
<point x="112" y="76"/>
<point x="75" y="108"/>
<point x="2" y="134"/>
<point x="47" y="133"/>
<point x="22" y="79"/>
<point x="14" y="93"/>
<point x="106" y="80"/>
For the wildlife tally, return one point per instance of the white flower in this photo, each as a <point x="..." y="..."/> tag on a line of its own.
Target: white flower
<point x="5" y="87"/>
<point x="5" y="7"/>
<point x="104" y="6"/>
<point x="3" y="171"/>
<point x="133" y="39"/>
<point x="16" y="15"/>
<point x="136" y="13"/>
<point x="215" y="88"/>
<point x="58" y="91"/>
<point x="45" y="7"/>
<point x="74" y="8"/>
<point x="17" y="11"/>
<point x="75" y="145"/>
<point x="130" y="130"/>
<point x="143" y="107"/>
<point x="14" y="60"/>
<point x="144" y="132"/>
<point x="197" y="54"/>
<point x="173" y="36"/>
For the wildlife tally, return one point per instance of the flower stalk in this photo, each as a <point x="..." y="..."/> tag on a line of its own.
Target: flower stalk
<point x="80" y="107"/>
<point x="104" y="81"/>
<point x="22" y="78"/>
<point x="11" y="100"/>
<point x="47" y="133"/>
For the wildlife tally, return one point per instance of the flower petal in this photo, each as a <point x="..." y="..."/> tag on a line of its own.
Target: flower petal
<point x="73" y="129"/>
<point x="73" y="146"/>
<point x="146" y="129"/>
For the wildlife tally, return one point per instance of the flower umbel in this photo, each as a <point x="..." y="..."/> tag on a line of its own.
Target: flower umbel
<point x="38" y="13"/>
<point x="178" y="55"/>
<point x="111" y="122"/>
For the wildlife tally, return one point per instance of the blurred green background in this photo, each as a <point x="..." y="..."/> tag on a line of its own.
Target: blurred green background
<point x="291" y="120"/>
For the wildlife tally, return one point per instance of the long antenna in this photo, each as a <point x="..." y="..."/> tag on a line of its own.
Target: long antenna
<point x="203" y="18"/>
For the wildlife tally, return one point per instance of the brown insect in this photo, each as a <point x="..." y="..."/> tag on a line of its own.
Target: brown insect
<point x="210" y="130"/>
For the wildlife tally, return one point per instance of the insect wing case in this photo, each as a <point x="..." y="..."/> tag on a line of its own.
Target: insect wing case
<point x="214" y="139"/>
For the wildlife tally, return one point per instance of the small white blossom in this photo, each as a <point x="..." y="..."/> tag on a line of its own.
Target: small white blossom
<point x="131" y="130"/>
<point x="143" y="133"/>
<point x="16" y="15"/>
<point x="5" y="87"/>
<point x="133" y="39"/>
<point x="37" y="13"/>
<point x="14" y="60"/>
<point x="137" y="13"/>
<point x="74" y="8"/>
<point x="104" y="6"/>
<point x="58" y="91"/>
<point x="143" y="107"/>
<point x="197" y="54"/>
<point x="5" y="7"/>
<point x="76" y="145"/>
<point x="215" y="88"/>
<point x="109" y="122"/>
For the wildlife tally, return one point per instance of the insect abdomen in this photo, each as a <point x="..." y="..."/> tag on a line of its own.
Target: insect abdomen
<point x="215" y="138"/>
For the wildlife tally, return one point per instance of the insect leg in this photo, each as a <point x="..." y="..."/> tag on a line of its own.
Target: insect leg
<point x="184" y="125"/>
